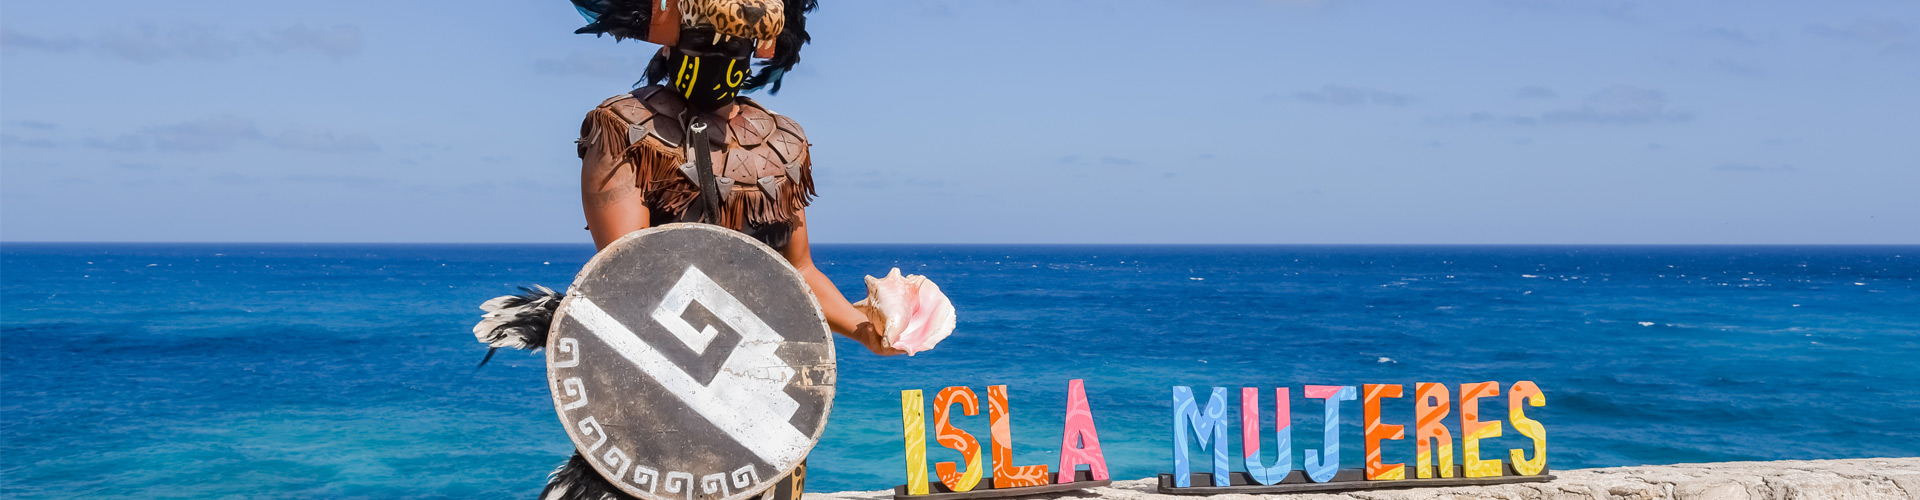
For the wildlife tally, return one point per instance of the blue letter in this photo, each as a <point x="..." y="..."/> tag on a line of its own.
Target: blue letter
<point x="1318" y="469"/>
<point x="1210" y="427"/>
<point x="1250" y="435"/>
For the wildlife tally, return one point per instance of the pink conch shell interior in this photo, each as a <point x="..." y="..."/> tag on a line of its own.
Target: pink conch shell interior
<point x="911" y="311"/>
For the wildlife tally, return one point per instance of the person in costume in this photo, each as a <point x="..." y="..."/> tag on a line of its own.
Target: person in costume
<point x="641" y="163"/>
<point x="687" y="146"/>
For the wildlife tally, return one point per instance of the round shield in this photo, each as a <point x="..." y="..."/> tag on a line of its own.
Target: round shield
<point x="691" y="362"/>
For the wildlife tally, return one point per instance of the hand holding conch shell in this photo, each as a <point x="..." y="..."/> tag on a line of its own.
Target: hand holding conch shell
<point x="910" y="310"/>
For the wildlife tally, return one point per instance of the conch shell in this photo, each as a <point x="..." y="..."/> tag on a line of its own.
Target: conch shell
<point x="912" y="312"/>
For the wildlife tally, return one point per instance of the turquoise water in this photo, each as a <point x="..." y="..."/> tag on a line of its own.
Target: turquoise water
<point x="344" y="371"/>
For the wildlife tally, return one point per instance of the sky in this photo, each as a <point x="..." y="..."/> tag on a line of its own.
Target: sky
<point x="995" y="121"/>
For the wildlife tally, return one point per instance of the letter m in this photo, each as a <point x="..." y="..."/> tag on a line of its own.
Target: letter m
<point x="1209" y="425"/>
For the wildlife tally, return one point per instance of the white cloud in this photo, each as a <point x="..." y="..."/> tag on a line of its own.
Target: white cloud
<point x="219" y="133"/>
<point x="599" y="66"/>
<point x="1615" y="105"/>
<point x="1535" y="92"/>
<point x="147" y="43"/>
<point x="213" y="133"/>
<point x="1620" y="104"/>
<point x="336" y="42"/>
<point x="321" y="141"/>
<point x="1889" y="36"/>
<point x="1344" y="95"/>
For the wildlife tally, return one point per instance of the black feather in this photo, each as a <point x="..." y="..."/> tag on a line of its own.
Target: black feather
<point x="483" y="361"/>
<point x="786" y="48"/>
<point x="576" y="480"/>
<point x="623" y="19"/>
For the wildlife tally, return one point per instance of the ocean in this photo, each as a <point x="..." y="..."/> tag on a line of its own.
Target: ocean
<point x="348" y="371"/>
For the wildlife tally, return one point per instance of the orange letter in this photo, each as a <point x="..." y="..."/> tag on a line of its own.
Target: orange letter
<point x="952" y="437"/>
<point x="1005" y="474"/>
<point x="1431" y="403"/>
<point x="1374" y="432"/>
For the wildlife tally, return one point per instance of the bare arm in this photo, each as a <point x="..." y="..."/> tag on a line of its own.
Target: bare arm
<point x="608" y="192"/>
<point x="615" y="207"/>
<point x="842" y="317"/>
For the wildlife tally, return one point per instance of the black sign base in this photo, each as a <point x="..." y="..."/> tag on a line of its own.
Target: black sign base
<point x="939" y="491"/>
<point x="1345" y="480"/>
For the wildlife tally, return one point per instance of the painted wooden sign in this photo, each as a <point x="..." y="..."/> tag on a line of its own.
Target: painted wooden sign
<point x="1079" y="445"/>
<point x="1205" y="423"/>
<point x="691" y="362"/>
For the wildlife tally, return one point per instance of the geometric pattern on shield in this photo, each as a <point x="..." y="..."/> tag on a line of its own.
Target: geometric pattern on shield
<point x="745" y="399"/>
<point x="702" y="359"/>
<point x="752" y="372"/>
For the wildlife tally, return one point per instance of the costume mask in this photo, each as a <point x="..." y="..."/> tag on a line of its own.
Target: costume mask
<point x="773" y="30"/>
<point x="752" y="19"/>
<point x="707" y="82"/>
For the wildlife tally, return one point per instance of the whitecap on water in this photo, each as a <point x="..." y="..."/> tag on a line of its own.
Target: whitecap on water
<point x="1646" y="323"/>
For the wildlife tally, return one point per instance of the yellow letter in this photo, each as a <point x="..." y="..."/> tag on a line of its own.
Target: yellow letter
<point x="1472" y="430"/>
<point x="913" y="419"/>
<point x="1525" y="390"/>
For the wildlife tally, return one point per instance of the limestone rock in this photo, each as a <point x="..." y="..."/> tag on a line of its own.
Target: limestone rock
<point x="1851" y="479"/>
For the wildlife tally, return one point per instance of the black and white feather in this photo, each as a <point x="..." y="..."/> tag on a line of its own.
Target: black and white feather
<point x="517" y="321"/>
<point x="576" y="480"/>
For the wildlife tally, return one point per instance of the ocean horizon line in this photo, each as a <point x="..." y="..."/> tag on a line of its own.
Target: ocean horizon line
<point x="1005" y="244"/>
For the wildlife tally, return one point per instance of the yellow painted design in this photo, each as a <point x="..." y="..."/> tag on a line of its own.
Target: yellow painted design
<point x="1432" y="403"/>
<point x="735" y="78"/>
<point x="952" y="437"/>
<point x="1393" y="474"/>
<point x="1472" y="430"/>
<point x="971" y="477"/>
<point x="1471" y="444"/>
<point x="1527" y="427"/>
<point x="914" y="421"/>
<point x="686" y="78"/>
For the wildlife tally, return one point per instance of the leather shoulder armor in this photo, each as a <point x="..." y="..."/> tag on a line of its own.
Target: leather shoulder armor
<point x="623" y="120"/>
<point x="760" y="158"/>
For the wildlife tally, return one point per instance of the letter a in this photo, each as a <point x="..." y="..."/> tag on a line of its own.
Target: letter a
<point x="1079" y="442"/>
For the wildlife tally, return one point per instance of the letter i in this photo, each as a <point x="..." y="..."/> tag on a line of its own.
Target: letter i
<point x="913" y="419"/>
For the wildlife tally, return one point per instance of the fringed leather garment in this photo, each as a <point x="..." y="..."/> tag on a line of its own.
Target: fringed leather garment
<point x="760" y="160"/>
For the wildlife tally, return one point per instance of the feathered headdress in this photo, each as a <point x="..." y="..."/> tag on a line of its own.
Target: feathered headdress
<point x="752" y="19"/>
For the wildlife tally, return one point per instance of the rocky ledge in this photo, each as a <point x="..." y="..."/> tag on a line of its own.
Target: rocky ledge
<point x="1854" y="479"/>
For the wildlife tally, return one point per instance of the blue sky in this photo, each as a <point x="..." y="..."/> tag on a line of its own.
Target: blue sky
<point x="988" y="121"/>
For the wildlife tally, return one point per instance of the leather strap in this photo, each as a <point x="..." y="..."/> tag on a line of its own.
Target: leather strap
<point x="703" y="167"/>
